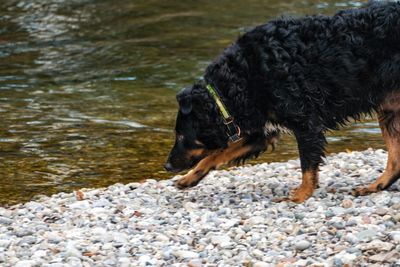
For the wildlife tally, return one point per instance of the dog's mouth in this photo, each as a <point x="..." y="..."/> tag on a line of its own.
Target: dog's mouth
<point x="169" y="167"/>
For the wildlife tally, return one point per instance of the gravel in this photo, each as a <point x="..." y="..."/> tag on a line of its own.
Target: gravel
<point x="229" y="219"/>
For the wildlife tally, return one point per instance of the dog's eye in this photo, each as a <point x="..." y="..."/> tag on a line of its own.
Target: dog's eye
<point x="180" y="138"/>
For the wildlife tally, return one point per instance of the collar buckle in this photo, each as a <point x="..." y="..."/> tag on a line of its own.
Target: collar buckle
<point x="233" y="130"/>
<point x="228" y="120"/>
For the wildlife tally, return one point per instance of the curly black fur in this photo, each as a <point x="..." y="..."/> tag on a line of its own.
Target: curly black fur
<point x="308" y="74"/>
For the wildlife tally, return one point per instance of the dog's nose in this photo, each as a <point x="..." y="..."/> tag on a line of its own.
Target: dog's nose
<point x="168" y="166"/>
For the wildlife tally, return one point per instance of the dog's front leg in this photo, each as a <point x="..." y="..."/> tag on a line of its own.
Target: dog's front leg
<point x="193" y="177"/>
<point x="213" y="161"/>
<point x="311" y="150"/>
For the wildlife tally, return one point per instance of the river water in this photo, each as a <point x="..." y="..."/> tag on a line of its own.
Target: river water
<point x="87" y="87"/>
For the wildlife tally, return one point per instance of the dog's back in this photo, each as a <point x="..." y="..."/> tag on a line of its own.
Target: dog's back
<point x="378" y="20"/>
<point x="337" y="66"/>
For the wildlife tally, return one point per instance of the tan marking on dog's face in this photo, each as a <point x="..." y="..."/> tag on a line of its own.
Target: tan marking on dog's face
<point x="198" y="152"/>
<point x="201" y="151"/>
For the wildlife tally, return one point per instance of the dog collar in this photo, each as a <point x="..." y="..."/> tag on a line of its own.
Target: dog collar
<point x="232" y="129"/>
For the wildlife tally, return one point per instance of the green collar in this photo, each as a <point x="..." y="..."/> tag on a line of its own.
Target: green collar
<point x="233" y="129"/>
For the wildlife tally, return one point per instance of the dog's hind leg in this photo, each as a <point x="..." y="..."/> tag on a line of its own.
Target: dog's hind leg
<point x="389" y="122"/>
<point x="311" y="150"/>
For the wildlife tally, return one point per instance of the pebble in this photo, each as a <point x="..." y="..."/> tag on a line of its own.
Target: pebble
<point x="5" y="221"/>
<point x="347" y="203"/>
<point x="228" y="219"/>
<point x="302" y="245"/>
<point x="262" y="264"/>
<point x="221" y="240"/>
<point x="72" y="251"/>
<point x="377" y="245"/>
<point x="397" y="217"/>
<point x="4" y="243"/>
<point x="40" y="254"/>
<point x="381" y="211"/>
<point x="25" y="263"/>
<point x="184" y="254"/>
<point x="382" y="198"/>
<point x="366" y="235"/>
<point x="54" y="237"/>
<point x="195" y="263"/>
<point x="395" y="236"/>
<point x="256" y="220"/>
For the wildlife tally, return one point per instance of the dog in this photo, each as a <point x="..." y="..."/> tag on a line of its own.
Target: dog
<point x="304" y="76"/>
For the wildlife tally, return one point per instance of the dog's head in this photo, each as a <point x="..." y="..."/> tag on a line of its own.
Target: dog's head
<point x="199" y="129"/>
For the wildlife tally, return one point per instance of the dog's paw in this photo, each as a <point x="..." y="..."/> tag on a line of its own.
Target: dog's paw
<point x="361" y="191"/>
<point x="297" y="195"/>
<point x="186" y="182"/>
<point x="280" y="199"/>
<point x="191" y="179"/>
<point x="294" y="199"/>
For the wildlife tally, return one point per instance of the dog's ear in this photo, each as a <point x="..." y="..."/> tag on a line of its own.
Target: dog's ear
<point x="184" y="99"/>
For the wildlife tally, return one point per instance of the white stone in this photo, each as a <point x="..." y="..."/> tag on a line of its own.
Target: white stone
<point x="53" y="237"/>
<point x="219" y="239"/>
<point x="381" y="198"/>
<point x="71" y="250"/>
<point x="256" y="220"/>
<point x="124" y="262"/>
<point x="262" y="264"/>
<point x="377" y="245"/>
<point x="120" y="237"/>
<point x="395" y="235"/>
<point x="82" y="205"/>
<point x="190" y="206"/>
<point x="195" y="263"/>
<point x="4" y="243"/>
<point x="40" y="253"/>
<point x="185" y="254"/>
<point x="302" y="245"/>
<point x="25" y="263"/>
<point x="346" y="258"/>
<point x="146" y="260"/>
<point x="101" y="203"/>
<point x="162" y="238"/>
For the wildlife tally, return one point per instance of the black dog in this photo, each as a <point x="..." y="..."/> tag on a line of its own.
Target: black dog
<point x="302" y="75"/>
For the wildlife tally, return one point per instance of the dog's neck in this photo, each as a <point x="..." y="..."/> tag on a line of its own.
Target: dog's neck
<point x="229" y="74"/>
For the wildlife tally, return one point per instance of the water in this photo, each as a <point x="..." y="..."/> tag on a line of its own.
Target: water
<point x="87" y="87"/>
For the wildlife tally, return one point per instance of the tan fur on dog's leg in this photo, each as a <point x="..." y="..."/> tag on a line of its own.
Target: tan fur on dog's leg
<point x="215" y="160"/>
<point x="391" y="134"/>
<point x="305" y="190"/>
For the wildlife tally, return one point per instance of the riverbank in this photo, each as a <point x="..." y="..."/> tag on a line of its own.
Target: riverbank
<point x="229" y="219"/>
